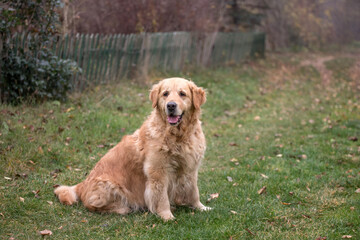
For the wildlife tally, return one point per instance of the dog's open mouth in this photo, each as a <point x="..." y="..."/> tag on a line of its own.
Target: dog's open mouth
<point x="174" y="119"/>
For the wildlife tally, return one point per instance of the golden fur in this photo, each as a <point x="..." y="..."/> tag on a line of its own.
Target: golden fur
<point x="155" y="166"/>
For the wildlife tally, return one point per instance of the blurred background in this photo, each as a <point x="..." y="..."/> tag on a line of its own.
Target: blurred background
<point x="286" y="23"/>
<point x="74" y="44"/>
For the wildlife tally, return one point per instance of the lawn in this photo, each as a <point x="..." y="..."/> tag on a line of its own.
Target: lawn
<point x="282" y="158"/>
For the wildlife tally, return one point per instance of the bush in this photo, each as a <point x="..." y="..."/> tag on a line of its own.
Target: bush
<point x="32" y="71"/>
<point x="27" y="77"/>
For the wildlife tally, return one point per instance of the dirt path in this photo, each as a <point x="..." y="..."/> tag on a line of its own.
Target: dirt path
<point x="318" y="63"/>
<point x="326" y="74"/>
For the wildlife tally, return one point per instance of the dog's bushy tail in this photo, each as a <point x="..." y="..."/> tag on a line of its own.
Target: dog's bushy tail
<point x="68" y="194"/>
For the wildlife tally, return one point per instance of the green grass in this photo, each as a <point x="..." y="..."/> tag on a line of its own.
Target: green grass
<point x="273" y="116"/>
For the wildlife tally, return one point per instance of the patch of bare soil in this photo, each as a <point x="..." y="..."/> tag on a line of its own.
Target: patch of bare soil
<point x="355" y="74"/>
<point x="319" y="64"/>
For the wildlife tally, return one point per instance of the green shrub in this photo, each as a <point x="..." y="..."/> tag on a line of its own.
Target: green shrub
<point x="32" y="71"/>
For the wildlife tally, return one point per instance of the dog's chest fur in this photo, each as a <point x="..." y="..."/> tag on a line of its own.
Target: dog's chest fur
<point x="184" y="154"/>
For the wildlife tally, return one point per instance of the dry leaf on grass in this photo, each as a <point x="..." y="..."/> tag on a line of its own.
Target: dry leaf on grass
<point x="40" y="150"/>
<point x="357" y="190"/>
<point x="262" y="190"/>
<point x="229" y="178"/>
<point x="353" y="138"/>
<point x="46" y="232"/>
<point x="346" y="236"/>
<point x="254" y="234"/>
<point x="213" y="196"/>
<point x="264" y="176"/>
<point x="233" y="212"/>
<point x="22" y="199"/>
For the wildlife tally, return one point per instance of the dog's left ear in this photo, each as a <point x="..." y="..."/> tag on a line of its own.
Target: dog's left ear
<point x="154" y="94"/>
<point x="199" y="96"/>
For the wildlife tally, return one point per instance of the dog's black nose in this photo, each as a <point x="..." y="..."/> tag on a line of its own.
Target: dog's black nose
<point x="171" y="106"/>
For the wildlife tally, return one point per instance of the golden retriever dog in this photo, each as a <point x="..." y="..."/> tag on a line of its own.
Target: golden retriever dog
<point x="154" y="167"/>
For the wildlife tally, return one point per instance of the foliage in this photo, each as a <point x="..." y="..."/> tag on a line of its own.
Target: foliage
<point x="266" y="124"/>
<point x="31" y="71"/>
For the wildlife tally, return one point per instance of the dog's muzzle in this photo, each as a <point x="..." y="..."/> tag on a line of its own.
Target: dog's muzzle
<point x="172" y="116"/>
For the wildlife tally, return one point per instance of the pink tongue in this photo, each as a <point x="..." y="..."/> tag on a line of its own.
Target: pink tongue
<point x="173" y="119"/>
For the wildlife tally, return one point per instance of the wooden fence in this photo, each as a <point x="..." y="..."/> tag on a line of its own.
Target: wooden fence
<point x="104" y="58"/>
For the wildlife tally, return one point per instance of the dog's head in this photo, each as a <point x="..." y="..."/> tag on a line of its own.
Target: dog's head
<point x="176" y="98"/>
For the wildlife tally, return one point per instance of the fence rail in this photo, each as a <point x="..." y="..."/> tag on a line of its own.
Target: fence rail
<point x="104" y="58"/>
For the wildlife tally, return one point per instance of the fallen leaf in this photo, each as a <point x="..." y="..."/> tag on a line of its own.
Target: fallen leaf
<point x="321" y="238"/>
<point x="353" y="138"/>
<point x="40" y="150"/>
<point x="352" y="208"/>
<point x="308" y="188"/>
<point x="7" y="178"/>
<point x="357" y="190"/>
<point x="31" y="162"/>
<point x="229" y="179"/>
<point x="69" y="109"/>
<point x="257" y="118"/>
<point x="22" y="199"/>
<point x="346" y="236"/>
<point x="213" y="196"/>
<point x="60" y="129"/>
<point x="285" y="203"/>
<point x="50" y="202"/>
<point x="46" y="232"/>
<point x="279" y="155"/>
<point x="61" y="227"/>
<point x="100" y="146"/>
<point x="264" y="176"/>
<point x="233" y="212"/>
<point x="262" y="190"/>
<point x="233" y="144"/>
<point x="36" y="193"/>
<point x="250" y="232"/>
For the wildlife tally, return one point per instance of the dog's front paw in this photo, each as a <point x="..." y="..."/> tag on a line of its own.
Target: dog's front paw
<point x="205" y="208"/>
<point x="166" y="216"/>
<point x="201" y="207"/>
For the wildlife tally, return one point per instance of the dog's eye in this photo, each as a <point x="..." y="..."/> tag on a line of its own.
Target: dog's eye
<point x="165" y="94"/>
<point x="182" y="94"/>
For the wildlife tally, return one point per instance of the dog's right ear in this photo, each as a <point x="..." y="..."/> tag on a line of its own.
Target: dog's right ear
<point x="154" y="94"/>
